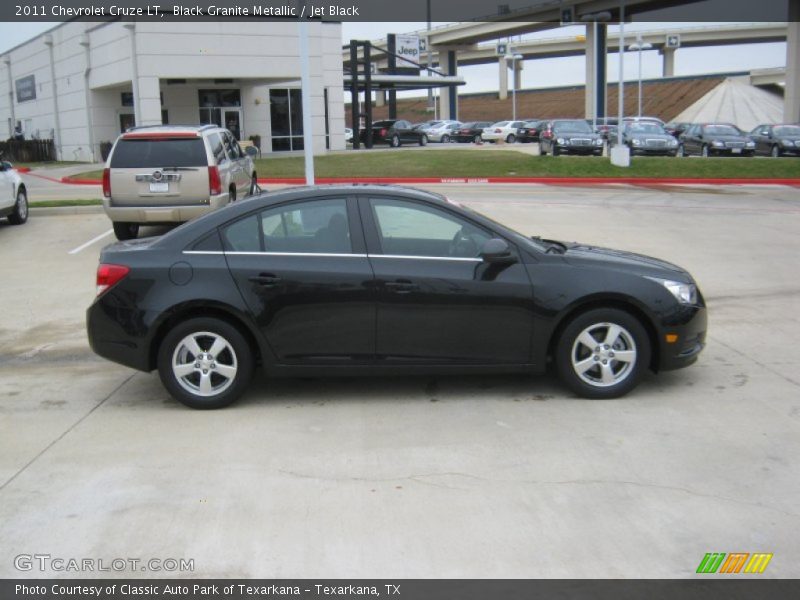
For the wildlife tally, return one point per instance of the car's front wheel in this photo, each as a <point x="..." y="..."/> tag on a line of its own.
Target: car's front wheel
<point x="423" y="140"/>
<point x="603" y="353"/>
<point x="126" y="231"/>
<point x="511" y="138"/>
<point x="681" y="151"/>
<point x="477" y="139"/>
<point x="775" y="152"/>
<point x="395" y="141"/>
<point x="205" y="363"/>
<point x="20" y="214"/>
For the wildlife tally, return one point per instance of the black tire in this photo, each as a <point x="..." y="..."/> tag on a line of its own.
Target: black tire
<point x="681" y="152"/>
<point x="556" y="151"/>
<point x="126" y="231"/>
<point x="775" y="151"/>
<point x="445" y="139"/>
<point x="477" y="139"/>
<point x="394" y="142"/>
<point x="423" y="140"/>
<point x="232" y="195"/>
<point x="511" y="138"/>
<point x="705" y="152"/>
<point x="236" y="356"/>
<point x="20" y="214"/>
<point x="253" y="185"/>
<point x="571" y="353"/>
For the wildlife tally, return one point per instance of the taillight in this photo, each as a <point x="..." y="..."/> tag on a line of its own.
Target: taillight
<point x="214" y="182"/>
<point x="498" y="131"/>
<point x="110" y="275"/>
<point x="383" y="133"/>
<point x="107" y="183"/>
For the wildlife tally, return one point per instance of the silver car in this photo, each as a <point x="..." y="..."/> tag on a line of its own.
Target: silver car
<point x="171" y="174"/>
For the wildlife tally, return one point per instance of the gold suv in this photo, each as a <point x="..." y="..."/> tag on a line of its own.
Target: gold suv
<point x="170" y="174"/>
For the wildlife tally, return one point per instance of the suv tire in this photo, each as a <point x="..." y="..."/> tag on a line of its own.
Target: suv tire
<point x="125" y="231"/>
<point x="20" y="214"/>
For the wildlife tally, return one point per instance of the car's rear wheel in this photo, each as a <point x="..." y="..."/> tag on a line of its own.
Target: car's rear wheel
<point x="511" y="138"/>
<point x="477" y="139"/>
<point x="205" y="363"/>
<point x="423" y="140"/>
<point x="775" y="152"/>
<point x="126" y="231"/>
<point x="20" y="214"/>
<point x="603" y="353"/>
<point x="445" y="139"/>
<point x="253" y="185"/>
<point x="705" y="152"/>
<point x="395" y="141"/>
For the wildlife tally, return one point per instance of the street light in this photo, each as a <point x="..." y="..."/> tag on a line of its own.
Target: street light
<point x="513" y="58"/>
<point x="639" y="46"/>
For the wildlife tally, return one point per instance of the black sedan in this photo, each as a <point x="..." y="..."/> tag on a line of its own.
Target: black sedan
<point x="373" y="280"/>
<point x="777" y="140"/>
<point x="715" y="139"/>
<point x="648" y="138"/>
<point x="394" y="132"/>
<point x="530" y="131"/>
<point x="570" y="136"/>
<point x="470" y="132"/>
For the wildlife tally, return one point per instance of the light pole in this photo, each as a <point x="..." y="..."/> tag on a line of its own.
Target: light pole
<point x="639" y="46"/>
<point x="513" y="58"/>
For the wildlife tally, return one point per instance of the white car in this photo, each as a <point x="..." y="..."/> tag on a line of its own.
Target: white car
<point x="502" y="130"/>
<point x="443" y="131"/>
<point x="13" y="195"/>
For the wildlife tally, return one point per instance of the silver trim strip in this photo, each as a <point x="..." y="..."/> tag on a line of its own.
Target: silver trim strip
<point x="333" y="255"/>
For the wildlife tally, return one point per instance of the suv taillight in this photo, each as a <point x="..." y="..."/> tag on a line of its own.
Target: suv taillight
<point x="110" y="275"/>
<point x="383" y="133"/>
<point x="214" y="182"/>
<point x="107" y="182"/>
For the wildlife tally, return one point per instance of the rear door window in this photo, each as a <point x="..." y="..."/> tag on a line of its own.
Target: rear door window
<point x="158" y="153"/>
<point x="217" y="148"/>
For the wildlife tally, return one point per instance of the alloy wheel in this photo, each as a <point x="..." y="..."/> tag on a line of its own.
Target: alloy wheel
<point x="604" y="354"/>
<point x="204" y="364"/>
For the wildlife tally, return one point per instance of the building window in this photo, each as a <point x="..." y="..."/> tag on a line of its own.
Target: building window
<point x="219" y="98"/>
<point x="286" y="116"/>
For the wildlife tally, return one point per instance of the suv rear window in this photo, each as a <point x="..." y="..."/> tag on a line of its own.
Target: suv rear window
<point x="144" y="153"/>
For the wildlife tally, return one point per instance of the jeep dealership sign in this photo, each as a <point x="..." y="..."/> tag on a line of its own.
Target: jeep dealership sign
<point x="407" y="47"/>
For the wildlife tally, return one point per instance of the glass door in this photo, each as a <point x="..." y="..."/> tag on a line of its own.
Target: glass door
<point x="233" y="121"/>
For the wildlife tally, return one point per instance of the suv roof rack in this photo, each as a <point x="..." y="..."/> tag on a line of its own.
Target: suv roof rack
<point x="176" y="126"/>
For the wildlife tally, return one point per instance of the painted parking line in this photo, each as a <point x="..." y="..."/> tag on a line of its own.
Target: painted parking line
<point x="90" y="242"/>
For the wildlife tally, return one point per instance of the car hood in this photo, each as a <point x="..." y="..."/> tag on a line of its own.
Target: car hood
<point x="585" y="254"/>
<point x="729" y="138"/>
<point x="649" y="136"/>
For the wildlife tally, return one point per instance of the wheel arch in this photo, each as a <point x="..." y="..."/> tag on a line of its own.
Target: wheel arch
<point x="620" y="302"/>
<point x="191" y="310"/>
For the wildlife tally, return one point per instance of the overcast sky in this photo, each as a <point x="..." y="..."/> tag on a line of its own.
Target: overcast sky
<point x="543" y="72"/>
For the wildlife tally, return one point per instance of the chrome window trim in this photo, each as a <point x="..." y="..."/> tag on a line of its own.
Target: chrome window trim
<point x="333" y="255"/>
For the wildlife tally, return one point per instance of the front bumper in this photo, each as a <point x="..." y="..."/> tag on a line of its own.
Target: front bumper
<point x="570" y="149"/>
<point x="690" y="324"/>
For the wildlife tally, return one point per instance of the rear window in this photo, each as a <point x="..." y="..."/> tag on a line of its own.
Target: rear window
<point x="144" y="153"/>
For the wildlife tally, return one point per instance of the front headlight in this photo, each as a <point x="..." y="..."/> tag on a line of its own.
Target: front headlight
<point x="685" y="293"/>
<point x="561" y="141"/>
<point x="750" y="144"/>
<point x="637" y="142"/>
<point x="718" y="144"/>
<point x="598" y="142"/>
<point x="788" y="143"/>
<point x="673" y="142"/>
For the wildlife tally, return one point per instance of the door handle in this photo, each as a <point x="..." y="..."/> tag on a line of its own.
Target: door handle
<point x="401" y="286"/>
<point x="265" y="279"/>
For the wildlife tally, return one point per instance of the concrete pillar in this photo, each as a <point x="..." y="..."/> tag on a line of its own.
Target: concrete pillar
<point x="502" y="69"/>
<point x="791" y="94"/>
<point x="591" y="57"/>
<point x="11" y="99"/>
<point x="380" y="98"/>
<point x="148" y="101"/>
<point x="596" y="76"/>
<point x="517" y="75"/>
<point x="668" y="62"/>
<point x="448" y="96"/>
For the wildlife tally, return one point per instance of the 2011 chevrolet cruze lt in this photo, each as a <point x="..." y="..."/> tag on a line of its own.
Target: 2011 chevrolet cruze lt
<point x="361" y="280"/>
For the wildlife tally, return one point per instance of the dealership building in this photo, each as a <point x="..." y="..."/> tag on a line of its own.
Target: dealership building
<point x="84" y="83"/>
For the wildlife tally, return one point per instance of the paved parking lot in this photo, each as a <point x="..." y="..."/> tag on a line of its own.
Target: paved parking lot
<point x="502" y="476"/>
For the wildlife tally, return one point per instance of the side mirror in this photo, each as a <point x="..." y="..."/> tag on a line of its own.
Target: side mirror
<point x="6" y="166"/>
<point x="251" y="151"/>
<point x="497" y="251"/>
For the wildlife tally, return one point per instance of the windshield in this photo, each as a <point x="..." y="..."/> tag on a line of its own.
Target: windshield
<point x="644" y="128"/>
<point x="571" y="127"/>
<point x="500" y="124"/>
<point x="791" y="130"/>
<point x="720" y="130"/>
<point x="531" y="124"/>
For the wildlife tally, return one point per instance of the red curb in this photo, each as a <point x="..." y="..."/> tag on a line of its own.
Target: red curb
<point x="567" y="181"/>
<point x="22" y="169"/>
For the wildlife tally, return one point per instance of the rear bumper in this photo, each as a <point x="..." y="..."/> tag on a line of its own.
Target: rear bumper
<point x="162" y="213"/>
<point x="119" y="333"/>
<point x="690" y="325"/>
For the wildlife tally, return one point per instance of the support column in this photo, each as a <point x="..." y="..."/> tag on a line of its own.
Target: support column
<point x="596" y="36"/>
<point x="57" y="141"/>
<point x="668" y="62"/>
<point x="11" y="99"/>
<point x="380" y="98"/>
<point x="149" y="101"/>
<point x="791" y="94"/>
<point x="502" y="69"/>
<point x="448" y="98"/>
<point x="517" y="75"/>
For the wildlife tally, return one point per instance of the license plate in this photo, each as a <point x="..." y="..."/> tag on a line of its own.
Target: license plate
<point x="159" y="188"/>
<point x="736" y="150"/>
